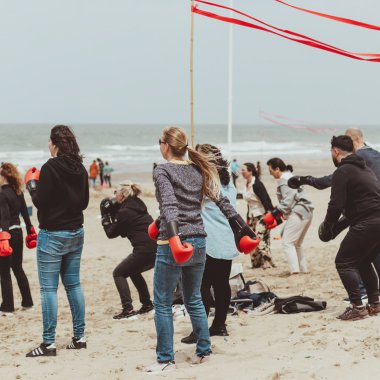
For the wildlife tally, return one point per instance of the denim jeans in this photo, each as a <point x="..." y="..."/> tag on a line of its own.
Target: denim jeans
<point x="166" y="275"/>
<point x="59" y="253"/>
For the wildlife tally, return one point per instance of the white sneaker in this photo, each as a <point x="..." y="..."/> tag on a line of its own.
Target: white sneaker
<point x="200" y="359"/>
<point x="6" y="314"/>
<point x="363" y="297"/>
<point x="263" y="309"/>
<point x="179" y="311"/>
<point x="157" y="367"/>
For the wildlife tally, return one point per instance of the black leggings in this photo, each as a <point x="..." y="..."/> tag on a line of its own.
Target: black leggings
<point x="217" y="275"/>
<point x="354" y="260"/>
<point x="132" y="267"/>
<point x="14" y="261"/>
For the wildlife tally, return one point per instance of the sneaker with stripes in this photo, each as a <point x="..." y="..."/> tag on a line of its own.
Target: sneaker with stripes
<point x="77" y="344"/>
<point x="43" y="350"/>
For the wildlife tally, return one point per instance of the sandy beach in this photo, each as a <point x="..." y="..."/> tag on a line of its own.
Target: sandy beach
<point x="299" y="346"/>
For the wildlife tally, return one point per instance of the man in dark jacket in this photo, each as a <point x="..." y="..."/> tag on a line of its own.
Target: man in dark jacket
<point x="355" y="193"/>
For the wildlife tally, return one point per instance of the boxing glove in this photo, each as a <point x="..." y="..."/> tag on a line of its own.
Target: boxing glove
<point x="5" y="248"/>
<point x="325" y="231"/>
<point x="31" y="238"/>
<point x="245" y="239"/>
<point x="31" y="179"/>
<point x="154" y="229"/>
<point x="296" y="181"/>
<point x="181" y="252"/>
<point x="272" y="219"/>
<point x="109" y="206"/>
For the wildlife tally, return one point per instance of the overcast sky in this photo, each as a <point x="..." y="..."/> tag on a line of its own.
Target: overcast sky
<point x="127" y="61"/>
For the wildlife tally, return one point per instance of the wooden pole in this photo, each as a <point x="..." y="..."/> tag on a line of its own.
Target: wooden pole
<point x="191" y="76"/>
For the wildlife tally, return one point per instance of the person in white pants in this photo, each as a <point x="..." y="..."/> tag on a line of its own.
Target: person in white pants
<point x="298" y="212"/>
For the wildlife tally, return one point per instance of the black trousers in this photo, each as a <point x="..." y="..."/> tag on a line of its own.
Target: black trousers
<point x="14" y="261"/>
<point x="132" y="267"/>
<point x="217" y="275"/>
<point x="354" y="260"/>
<point x="16" y="243"/>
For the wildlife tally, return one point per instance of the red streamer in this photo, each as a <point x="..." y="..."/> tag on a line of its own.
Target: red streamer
<point x="303" y="39"/>
<point x="336" y="18"/>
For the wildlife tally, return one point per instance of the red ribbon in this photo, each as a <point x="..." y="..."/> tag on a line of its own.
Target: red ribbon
<point x="336" y="18"/>
<point x="303" y="39"/>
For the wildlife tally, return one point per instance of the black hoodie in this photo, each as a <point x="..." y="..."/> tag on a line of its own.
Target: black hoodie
<point x="132" y="221"/>
<point x="62" y="194"/>
<point x="355" y="192"/>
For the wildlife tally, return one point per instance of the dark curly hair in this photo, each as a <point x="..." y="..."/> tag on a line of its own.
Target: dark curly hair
<point x="10" y="172"/>
<point x="221" y="163"/>
<point x="63" y="137"/>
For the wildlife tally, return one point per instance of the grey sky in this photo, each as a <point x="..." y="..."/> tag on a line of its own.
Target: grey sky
<point x="124" y="61"/>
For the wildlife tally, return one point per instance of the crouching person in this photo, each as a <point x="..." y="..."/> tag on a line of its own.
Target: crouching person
<point x="126" y="215"/>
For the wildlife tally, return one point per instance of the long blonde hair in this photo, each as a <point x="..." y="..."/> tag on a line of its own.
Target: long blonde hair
<point x="177" y="139"/>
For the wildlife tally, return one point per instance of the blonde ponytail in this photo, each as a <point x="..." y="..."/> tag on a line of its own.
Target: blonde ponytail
<point x="128" y="188"/>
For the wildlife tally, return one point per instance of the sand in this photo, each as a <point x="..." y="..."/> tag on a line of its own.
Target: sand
<point x="299" y="346"/>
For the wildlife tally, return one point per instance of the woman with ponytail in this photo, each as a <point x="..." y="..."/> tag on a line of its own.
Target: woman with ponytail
<point x="126" y="215"/>
<point x="181" y="185"/>
<point x="12" y="206"/>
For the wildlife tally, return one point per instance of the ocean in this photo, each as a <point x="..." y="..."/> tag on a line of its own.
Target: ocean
<point x="132" y="148"/>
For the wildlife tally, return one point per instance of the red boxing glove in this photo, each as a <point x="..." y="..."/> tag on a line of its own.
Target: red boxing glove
<point x="181" y="252"/>
<point x="5" y="248"/>
<point x="245" y="239"/>
<point x="154" y="229"/>
<point x="31" y="179"/>
<point x="31" y="238"/>
<point x="272" y="219"/>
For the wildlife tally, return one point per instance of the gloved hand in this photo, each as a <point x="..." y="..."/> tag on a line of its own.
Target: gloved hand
<point x="31" y="178"/>
<point x="272" y="219"/>
<point x="181" y="252"/>
<point x="296" y="181"/>
<point x="5" y="248"/>
<point x="325" y="231"/>
<point x="245" y="239"/>
<point x="154" y="229"/>
<point x="108" y="209"/>
<point x="31" y="238"/>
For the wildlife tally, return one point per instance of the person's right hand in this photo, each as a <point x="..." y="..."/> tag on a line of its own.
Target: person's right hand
<point x="5" y="248"/>
<point x="297" y="181"/>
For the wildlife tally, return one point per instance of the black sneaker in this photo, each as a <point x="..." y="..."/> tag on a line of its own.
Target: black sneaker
<point x="218" y="331"/>
<point x="145" y="308"/>
<point x="191" y="339"/>
<point x="125" y="314"/>
<point x="77" y="344"/>
<point x="43" y="350"/>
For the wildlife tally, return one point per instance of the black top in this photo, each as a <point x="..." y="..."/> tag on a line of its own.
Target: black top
<point x="355" y="192"/>
<point x="62" y="194"/>
<point x="132" y="220"/>
<point x="11" y="205"/>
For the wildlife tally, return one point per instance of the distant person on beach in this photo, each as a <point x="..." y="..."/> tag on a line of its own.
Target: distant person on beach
<point x="60" y="194"/>
<point x="372" y="160"/>
<point x="101" y="170"/>
<point x="220" y="250"/>
<point x="126" y="215"/>
<point x="258" y="169"/>
<point x="93" y="172"/>
<point x="107" y="174"/>
<point x="12" y="204"/>
<point x="296" y="209"/>
<point x="354" y="202"/>
<point x="181" y="185"/>
<point x="234" y="171"/>
<point x="259" y="203"/>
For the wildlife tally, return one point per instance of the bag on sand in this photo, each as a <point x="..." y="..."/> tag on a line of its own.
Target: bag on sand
<point x="298" y="304"/>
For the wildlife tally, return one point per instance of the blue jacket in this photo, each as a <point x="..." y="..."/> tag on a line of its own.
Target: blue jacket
<point x="220" y="242"/>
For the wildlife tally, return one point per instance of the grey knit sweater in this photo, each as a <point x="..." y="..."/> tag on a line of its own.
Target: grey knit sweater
<point x="179" y="194"/>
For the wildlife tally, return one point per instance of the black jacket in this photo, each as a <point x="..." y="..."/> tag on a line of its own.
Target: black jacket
<point x="11" y="206"/>
<point x="131" y="220"/>
<point x="62" y="194"/>
<point x="355" y="192"/>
